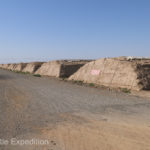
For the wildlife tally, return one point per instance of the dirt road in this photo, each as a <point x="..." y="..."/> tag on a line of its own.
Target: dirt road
<point x="69" y="116"/>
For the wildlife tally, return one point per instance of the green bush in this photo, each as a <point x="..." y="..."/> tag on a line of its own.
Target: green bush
<point x="37" y="75"/>
<point x="91" y="84"/>
<point x="125" y="90"/>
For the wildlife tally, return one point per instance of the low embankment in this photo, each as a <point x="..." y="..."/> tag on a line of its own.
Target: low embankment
<point x="133" y="74"/>
<point x="63" y="68"/>
<point x="121" y="72"/>
<point x="32" y="67"/>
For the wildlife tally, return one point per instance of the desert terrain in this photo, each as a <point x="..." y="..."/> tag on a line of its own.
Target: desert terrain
<point x="70" y="116"/>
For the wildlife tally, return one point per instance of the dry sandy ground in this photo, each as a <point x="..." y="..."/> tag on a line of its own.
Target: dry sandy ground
<point x="70" y="117"/>
<point x="143" y="93"/>
<point x="94" y="135"/>
<point x="101" y="135"/>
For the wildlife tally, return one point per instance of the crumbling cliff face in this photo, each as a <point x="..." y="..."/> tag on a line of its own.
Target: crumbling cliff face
<point x="143" y="75"/>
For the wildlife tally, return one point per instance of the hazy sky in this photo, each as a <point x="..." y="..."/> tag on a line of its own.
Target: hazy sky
<point x="61" y="29"/>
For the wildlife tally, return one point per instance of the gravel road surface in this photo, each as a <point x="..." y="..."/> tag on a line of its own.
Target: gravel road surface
<point x="69" y="116"/>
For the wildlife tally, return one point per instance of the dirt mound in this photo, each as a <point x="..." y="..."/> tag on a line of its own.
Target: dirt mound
<point x="63" y="68"/>
<point x="130" y="73"/>
<point x="4" y="66"/>
<point x="11" y="66"/>
<point x="20" y="66"/>
<point x="32" y="67"/>
<point x="49" y="68"/>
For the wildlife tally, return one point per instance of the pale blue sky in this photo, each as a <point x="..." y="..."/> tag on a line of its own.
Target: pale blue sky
<point x="66" y="29"/>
